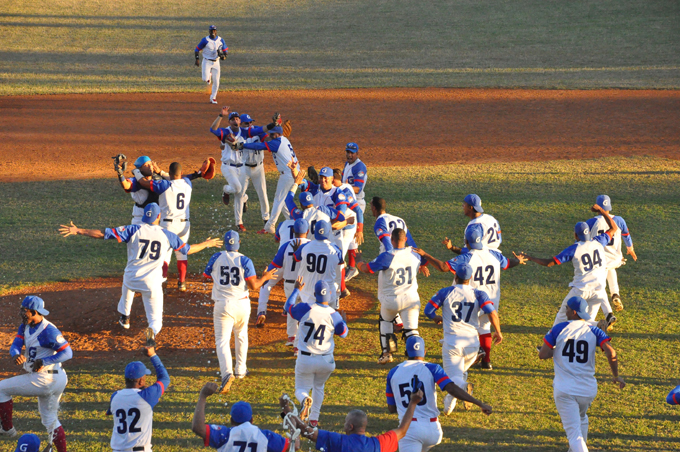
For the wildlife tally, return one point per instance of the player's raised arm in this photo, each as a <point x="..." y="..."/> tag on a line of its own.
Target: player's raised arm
<point x="198" y="423"/>
<point x="610" y="222"/>
<point x="405" y="423"/>
<point x="72" y="229"/>
<point x="255" y="283"/>
<point x="522" y="256"/>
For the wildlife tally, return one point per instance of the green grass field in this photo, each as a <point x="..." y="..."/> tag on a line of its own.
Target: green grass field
<point x="537" y="205"/>
<point x="67" y="46"/>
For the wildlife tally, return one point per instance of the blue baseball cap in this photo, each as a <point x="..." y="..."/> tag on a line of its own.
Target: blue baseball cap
<point x="322" y="292"/>
<point x="241" y="412"/>
<point x="245" y="117"/>
<point x="322" y="230"/>
<point x="605" y="202"/>
<point x="464" y="271"/>
<point x="582" y="230"/>
<point x="136" y="370"/>
<point x="212" y="27"/>
<point x="352" y="147"/>
<point x="151" y="212"/>
<point x="475" y="202"/>
<point x="306" y="198"/>
<point x="326" y="172"/>
<point x="233" y="114"/>
<point x="141" y="161"/>
<point x="473" y="235"/>
<point x="231" y="241"/>
<point x="580" y="306"/>
<point x="415" y="347"/>
<point x="35" y="303"/>
<point x="277" y="129"/>
<point x="301" y="226"/>
<point x="28" y="443"/>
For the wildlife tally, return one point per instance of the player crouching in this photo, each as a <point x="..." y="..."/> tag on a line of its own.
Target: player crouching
<point x="45" y="350"/>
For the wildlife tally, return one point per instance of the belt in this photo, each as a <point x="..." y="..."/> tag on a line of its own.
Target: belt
<point x="253" y="166"/>
<point x="52" y="371"/>
<point x="138" y="448"/>
<point x="208" y="60"/>
<point x="236" y="166"/>
<point x="289" y="281"/>
<point x="432" y="419"/>
<point x="312" y="354"/>
<point x="170" y="220"/>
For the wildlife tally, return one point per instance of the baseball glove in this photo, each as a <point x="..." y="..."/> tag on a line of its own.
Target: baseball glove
<point x="208" y="168"/>
<point x="120" y="164"/>
<point x="313" y="175"/>
<point x="222" y="54"/>
<point x="287" y="128"/>
<point x="276" y="119"/>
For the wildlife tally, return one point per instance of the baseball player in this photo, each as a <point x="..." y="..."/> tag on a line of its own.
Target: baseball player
<point x="425" y="431"/>
<point x="315" y="363"/>
<point x="232" y="274"/>
<point x="612" y="250"/>
<point x="241" y="436"/>
<point x="320" y="260"/>
<point x="397" y="291"/>
<point x="673" y="397"/>
<point x="311" y="212"/>
<point x="354" y="174"/>
<point x="590" y="267"/>
<point x="132" y="407"/>
<point x="28" y="443"/>
<point x="487" y="265"/>
<point x="571" y="345"/>
<point x="214" y="49"/>
<point x="146" y="246"/>
<point x="144" y="169"/>
<point x="472" y="208"/>
<point x="461" y="306"/>
<point x="44" y="350"/>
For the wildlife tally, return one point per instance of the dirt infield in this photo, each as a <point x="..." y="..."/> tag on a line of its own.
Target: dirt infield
<point x="74" y="136"/>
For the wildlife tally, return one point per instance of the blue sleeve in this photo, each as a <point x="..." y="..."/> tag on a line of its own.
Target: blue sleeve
<point x="221" y="133"/>
<point x="290" y="302"/>
<point x="202" y="44"/>
<point x="389" y="393"/>
<point x="209" y="267"/>
<point x="52" y="338"/>
<point x="18" y="343"/>
<point x="334" y="214"/>
<point x="329" y="441"/>
<point x="224" y="45"/>
<point x="275" y="442"/>
<point x="248" y="268"/>
<point x="382" y="262"/>
<point x="550" y="339"/>
<point x="502" y="259"/>
<point x="566" y="254"/>
<point x="340" y="325"/>
<point x="483" y="302"/>
<point x="108" y="410"/>
<point x="602" y="239"/>
<point x="290" y="202"/>
<point x="436" y="301"/>
<point x="309" y="186"/>
<point x="121" y="233"/>
<point x="277" y="262"/>
<point x="358" y="212"/>
<point x="216" y="436"/>
<point x="153" y="393"/>
<point x="263" y="146"/>
<point x="673" y="397"/>
<point x="297" y="311"/>
<point x="625" y="233"/>
<point x="380" y="229"/>
<point x="135" y="186"/>
<point x="176" y="243"/>
<point x="359" y="175"/>
<point x="298" y="253"/>
<point x="254" y="131"/>
<point x="338" y="254"/>
<point x="600" y="336"/>
<point x="440" y="377"/>
<point x="159" y="186"/>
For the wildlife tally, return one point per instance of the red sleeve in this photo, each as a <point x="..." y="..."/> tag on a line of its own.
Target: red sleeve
<point x="206" y="442"/>
<point x="388" y="441"/>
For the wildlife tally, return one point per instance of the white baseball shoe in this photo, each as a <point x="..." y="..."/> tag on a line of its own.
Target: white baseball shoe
<point x="227" y="380"/>
<point x="306" y="408"/>
<point x="213" y="101"/>
<point x="291" y="341"/>
<point x="385" y="358"/>
<point x="468" y="405"/>
<point x="449" y="404"/>
<point x="351" y="273"/>
<point x="616" y="302"/>
<point x="11" y="433"/>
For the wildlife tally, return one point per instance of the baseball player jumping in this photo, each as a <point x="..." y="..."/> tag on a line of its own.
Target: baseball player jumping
<point x="44" y="350"/>
<point x="354" y="174"/>
<point x="232" y="274"/>
<point x="472" y="208"/>
<point x="146" y="246"/>
<point x="572" y="345"/>
<point x="461" y="307"/>
<point x="144" y="169"/>
<point x="214" y="49"/>
<point x="132" y="407"/>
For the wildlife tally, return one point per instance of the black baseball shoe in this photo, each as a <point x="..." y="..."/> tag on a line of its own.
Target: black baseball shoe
<point x="124" y="321"/>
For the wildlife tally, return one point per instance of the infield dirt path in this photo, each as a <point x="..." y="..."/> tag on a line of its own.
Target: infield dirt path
<point x="74" y="136"/>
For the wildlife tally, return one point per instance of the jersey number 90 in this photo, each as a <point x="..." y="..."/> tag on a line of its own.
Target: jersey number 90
<point x="317" y="264"/>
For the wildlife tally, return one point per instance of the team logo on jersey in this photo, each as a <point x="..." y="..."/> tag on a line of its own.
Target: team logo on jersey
<point x="361" y="173"/>
<point x="122" y="228"/>
<point x="341" y="196"/>
<point x="60" y="339"/>
<point x="323" y="292"/>
<point x="380" y="231"/>
<point x="416" y="346"/>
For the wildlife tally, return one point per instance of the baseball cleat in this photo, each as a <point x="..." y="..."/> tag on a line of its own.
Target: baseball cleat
<point x="11" y="433"/>
<point x="150" y="338"/>
<point x="314" y="424"/>
<point x="241" y="228"/>
<point x="616" y="303"/>
<point x="290" y="341"/>
<point x="245" y="207"/>
<point x="398" y="328"/>
<point x="295" y="351"/>
<point x="213" y="101"/>
<point x="351" y="273"/>
<point x="345" y="293"/>
<point x="487" y="365"/>
<point x="468" y="405"/>
<point x="181" y="286"/>
<point x="225" y="198"/>
<point x="306" y="407"/>
<point x="262" y="231"/>
<point x="449" y="404"/>
<point x="124" y="321"/>
<point x="227" y="380"/>
<point x="385" y="358"/>
<point x="480" y="355"/>
<point x="242" y="376"/>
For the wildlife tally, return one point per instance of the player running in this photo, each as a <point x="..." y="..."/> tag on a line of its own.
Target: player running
<point x="397" y="291"/>
<point x="315" y="363"/>
<point x="233" y="275"/>
<point x="132" y="407"/>
<point x="425" y="430"/>
<point x="44" y="350"/>
<point x="461" y="307"/>
<point x="214" y="49"/>
<point x="146" y="246"/>
<point x="572" y="345"/>
<point x="354" y="174"/>
<point x="472" y="208"/>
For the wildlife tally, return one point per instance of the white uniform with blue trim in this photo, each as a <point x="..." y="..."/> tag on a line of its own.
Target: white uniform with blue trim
<point x="252" y="170"/>
<point x="574" y="387"/>
<point x="425" y="430"/>
<point x="612" y="250"/>
<point x="492" y="231"/>
<point x="356" y="175"/>
<point x="319" y="260"/>
<point x="246" y="437"/>
<point x="229" y="271"/>
<point x="210" y="68"/>
<point x="174" y="197"/>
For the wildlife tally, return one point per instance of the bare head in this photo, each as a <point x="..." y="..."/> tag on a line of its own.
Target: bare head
<point x="337" y="177"/>
<point x="355" y="422"/>
<point x="398" y="238"/>
<point x="175" y="170"/>
<point x="378" y="206"/>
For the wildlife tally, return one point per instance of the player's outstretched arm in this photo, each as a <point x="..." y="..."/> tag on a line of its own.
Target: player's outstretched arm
<point x="256" y="283"/>
<point x="496" y="323"/>
<point x="449" y="245"/>
<point x="610" y="221"/>
<point x="461" y="394"/>
<point x="523" y="257"/>
<point x="613" y="364"/>
<point x="209" y="243"/>
<point x="436" y="263"/>
<point x="72" y="229"/>
<point x="400" y="431"/>
<point x="198" y="423"/>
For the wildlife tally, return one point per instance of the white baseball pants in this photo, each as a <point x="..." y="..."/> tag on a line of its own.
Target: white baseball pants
<point x="283" y="186"/>
<point x="182" y="229"/>
<point x="232" y="174"/>
<point x="408" y="310"/>
<point x="595" y="299"/>
<point x="362" y="205"/>
<point x="153" y="304"/>
<point x="256" y="175"/>
<point x="311" y="374"/>
<point x="225" y="323"/>
<point x="48" y="387"/>
<point x="573" y="412"/>
<point x="612" y="282"/>
<point x="422" y="435"/>
<point x="210" y="73"/>
<point x="457" y="357"/>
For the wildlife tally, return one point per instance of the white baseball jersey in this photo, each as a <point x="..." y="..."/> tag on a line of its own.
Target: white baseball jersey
<point x="486" y="270"/>
<point x="398" y="274"/>
<point x="612" y="250"/>
<point x="319" y="261"/>
<point x="282" y="154"/>
<point x="398" y="390"/>
<point x="210" y="47"/>
<point x="285" y="259"/>
<point x="573" y="345"/>
<point x="590" y="263"/>
<point x="247" y="437"/>
<point x="229" y="155"/>
<point x="318" y="325"/>
<point x="356" y="173"/>
<point x="385" y="224"/>
<point x="492" y="231"/>
<point x="174" y="197"/>
<point x="285" y="232"/>
<point x="313" y="215"/>
<point x="461" y="306"/>
<point x="229" y="271"/>
<point x="253" y="156"/>
<point x="43" y="347"/>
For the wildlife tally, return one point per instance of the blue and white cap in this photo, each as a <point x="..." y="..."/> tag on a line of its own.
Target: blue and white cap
<point x="352" y="147"/>
<point x="35" y="303"/>
<point x="141" y="161"/>
<point x="326" y="172"/>
<point x="28" y="443"/>
<point x="322" y="230"/>
<point x="277" y="129"/>
<point x="231" y="241"/>
<point x="151" y="212"/>
<point x="136" y="370"/>
<point x="464" y="271"/>
<point x="475" y="202"/>
<point x="212" y="27"/>
<point x="234" y="114"/>
<point x="241" y="412"/>
<point x="582" y="230"/>
<point x="415" y="347"/>
<point x="306" y="198"/>
<point x="605" y="202"/>
<point x="301" y="226"/>
<point x="245" y="117"/>
<point x="473" y="235"/>
<point x="580" y="306"/>
<point x="322" y="292"/>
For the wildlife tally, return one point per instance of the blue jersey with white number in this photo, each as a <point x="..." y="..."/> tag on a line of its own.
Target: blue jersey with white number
<point x="398" y="389"/>
<point x="229" y="271"/>
<point x="460" y="305"/>
<point x="244" y="437"/>
<point x="590" y="262"/>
